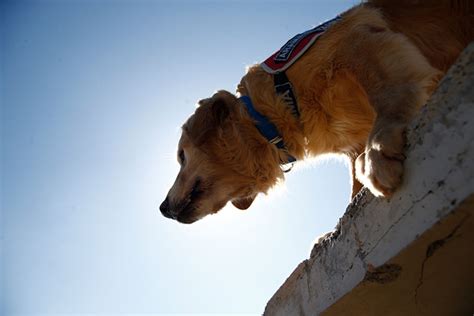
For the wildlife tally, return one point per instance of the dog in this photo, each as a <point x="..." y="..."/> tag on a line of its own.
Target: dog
<point x="357" y="87"/>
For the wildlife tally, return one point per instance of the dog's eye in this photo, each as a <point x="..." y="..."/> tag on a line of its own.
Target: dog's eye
<point x="181" y="157"/>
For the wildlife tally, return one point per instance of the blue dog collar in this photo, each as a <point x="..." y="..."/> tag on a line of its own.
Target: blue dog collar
<point x="266" y="128"/>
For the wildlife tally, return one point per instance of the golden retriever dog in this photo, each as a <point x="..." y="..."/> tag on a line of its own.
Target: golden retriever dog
<point x="357" y="88"/>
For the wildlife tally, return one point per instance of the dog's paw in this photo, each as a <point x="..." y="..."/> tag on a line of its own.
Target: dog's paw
<point x="379" y="171"/>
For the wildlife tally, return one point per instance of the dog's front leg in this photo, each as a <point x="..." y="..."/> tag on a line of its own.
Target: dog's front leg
<point x="397" y="79"/>
<point x="380" y="166"/>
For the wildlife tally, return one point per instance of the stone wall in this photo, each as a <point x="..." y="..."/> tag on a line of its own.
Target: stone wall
<point x="412" y="254"/>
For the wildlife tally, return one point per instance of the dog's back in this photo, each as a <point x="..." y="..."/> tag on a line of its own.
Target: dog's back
<point x="439" y="28"/>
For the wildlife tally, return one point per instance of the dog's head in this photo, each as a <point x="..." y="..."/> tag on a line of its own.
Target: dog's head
<point x="222" y="158"/>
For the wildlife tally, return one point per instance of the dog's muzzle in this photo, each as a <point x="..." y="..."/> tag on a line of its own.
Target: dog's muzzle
<point x="183" y="211"/>
<point x="165" y="209"/>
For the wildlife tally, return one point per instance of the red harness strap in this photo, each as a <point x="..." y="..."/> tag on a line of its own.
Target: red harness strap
<point x="295" y="48"/>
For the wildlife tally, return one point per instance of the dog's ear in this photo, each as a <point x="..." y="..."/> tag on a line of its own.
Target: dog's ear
<point x="220" y="109"/>
<point x="244" y="203"/>
<point x="209" y="116"/>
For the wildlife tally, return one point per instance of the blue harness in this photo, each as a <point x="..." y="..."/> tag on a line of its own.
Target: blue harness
<point x="267" y="129"/>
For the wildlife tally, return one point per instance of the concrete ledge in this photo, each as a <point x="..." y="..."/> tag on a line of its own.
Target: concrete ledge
<point x="439" y="176"/>
<point x="432" y="276"/>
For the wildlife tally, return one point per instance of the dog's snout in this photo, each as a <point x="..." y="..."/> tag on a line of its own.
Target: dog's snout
<point x="165" y="208"/>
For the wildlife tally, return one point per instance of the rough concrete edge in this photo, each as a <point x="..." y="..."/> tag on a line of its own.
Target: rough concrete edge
<point x="373" y="230"/>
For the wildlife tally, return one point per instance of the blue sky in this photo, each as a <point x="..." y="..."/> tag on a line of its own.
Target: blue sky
<point x="93" y="94"/>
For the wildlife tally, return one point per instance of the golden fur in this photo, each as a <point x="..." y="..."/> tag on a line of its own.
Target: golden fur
<point x="357" y="87"/>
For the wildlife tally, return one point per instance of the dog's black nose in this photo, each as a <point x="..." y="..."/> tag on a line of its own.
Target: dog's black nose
<point x="165" y="208"/>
